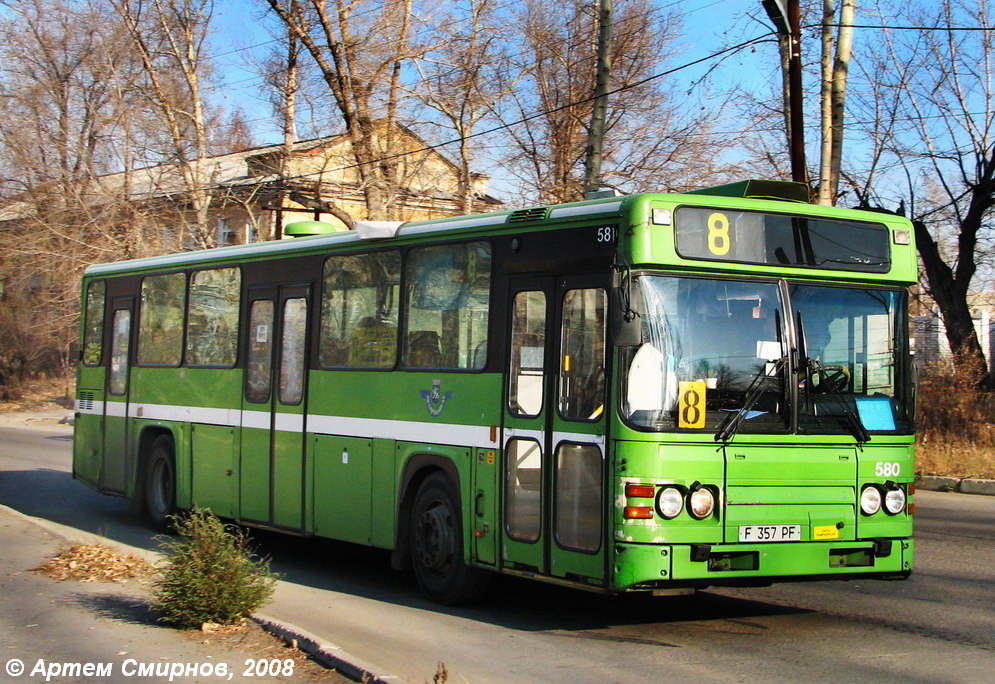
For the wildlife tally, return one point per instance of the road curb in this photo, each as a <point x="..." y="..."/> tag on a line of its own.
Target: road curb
<point x="327" y="654"/>
<point x="963" y="485"/>
<point x="323" y="652"/>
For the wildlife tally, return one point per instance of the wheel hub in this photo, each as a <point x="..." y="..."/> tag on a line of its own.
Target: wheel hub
<point x="434" y="539"/>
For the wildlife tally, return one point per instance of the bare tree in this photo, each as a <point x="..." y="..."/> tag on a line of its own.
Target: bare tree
<point x="940" y="89"/>
<point x="833" y="94"/>
<point x="170" y="37"/>
<point x="359" y="47"/>
<point x="645" y="132"/>
<point x="463" y="78"/>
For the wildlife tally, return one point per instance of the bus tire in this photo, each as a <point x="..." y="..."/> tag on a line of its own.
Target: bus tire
<point x="436" y="545"/>
<point x="160" y="484"/>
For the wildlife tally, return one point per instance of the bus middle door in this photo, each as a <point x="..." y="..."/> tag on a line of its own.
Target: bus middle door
<point x="274" y="407"/>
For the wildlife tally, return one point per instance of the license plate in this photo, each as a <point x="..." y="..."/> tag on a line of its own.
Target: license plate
<point x="769" y="533"/>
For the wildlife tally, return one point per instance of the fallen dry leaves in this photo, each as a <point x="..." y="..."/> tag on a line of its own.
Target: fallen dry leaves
<point x="95" y="563"/>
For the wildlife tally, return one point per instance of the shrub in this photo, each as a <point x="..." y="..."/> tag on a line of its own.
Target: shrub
<point x="210" y="574"/>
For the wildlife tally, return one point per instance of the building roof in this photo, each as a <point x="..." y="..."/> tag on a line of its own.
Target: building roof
<point x="225" y="170"/>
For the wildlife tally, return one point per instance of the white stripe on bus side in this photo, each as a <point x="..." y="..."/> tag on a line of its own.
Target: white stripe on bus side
<point x="90" y="407"/>
<point x="185" y="414"/>
<point x="115" y="409"/>
<point x="402" y="430"/>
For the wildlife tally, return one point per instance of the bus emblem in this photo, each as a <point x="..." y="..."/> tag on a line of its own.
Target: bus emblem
<point x="435" y="400"/>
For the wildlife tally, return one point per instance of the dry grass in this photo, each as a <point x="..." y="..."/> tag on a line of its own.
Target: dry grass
<point x="95" y="563"/>
<point x="956" y="425"/>
<point x="37" y="394"/>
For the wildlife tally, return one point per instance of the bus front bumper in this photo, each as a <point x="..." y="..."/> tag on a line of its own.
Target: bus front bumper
<point x="650" y="566"/>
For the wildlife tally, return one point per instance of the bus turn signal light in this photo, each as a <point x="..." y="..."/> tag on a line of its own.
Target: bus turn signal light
<point x="640" y="491"/>
<point x="638" y="512"/>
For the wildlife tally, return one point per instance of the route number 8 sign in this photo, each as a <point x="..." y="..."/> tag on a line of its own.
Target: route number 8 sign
<point x="691" y="404"/>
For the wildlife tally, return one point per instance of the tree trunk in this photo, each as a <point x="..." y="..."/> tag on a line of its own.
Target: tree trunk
<point x="950" y="294"/>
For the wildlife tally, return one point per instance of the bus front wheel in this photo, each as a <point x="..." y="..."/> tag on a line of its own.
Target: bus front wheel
<point x="436" y="537"/>
<point x="160" y="484"/>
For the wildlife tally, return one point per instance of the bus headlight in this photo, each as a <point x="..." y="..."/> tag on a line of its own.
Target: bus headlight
<point x="894" y="501"/>
<point x="701" y="503"/>
<point x="669" y="502"/>
<point x="870" y="500"/>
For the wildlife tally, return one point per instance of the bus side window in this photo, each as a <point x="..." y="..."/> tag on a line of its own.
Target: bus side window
<point x="448" y="289"/>
<point x="582" y="355"/>
<point x="93" y="326"/>
<point x="212" y="317"/>
<point x="160" y="327"/>
<point x="359" y="310"/>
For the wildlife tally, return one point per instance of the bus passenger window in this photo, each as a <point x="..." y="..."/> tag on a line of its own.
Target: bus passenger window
<point x="448" y="290"/>
<point x="160" y="327"/>
<point x="212" y="317"/>
<point x="93" y="327"/>
<point x="359" y="308"/>
<point x="582" y="355"/>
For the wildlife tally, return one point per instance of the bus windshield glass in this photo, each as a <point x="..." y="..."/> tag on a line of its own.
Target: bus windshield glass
<point x="728" y="339"/>
<point x="783" y="240"/>
<point x="851" y="338"/>
<point x="725" y="336"/>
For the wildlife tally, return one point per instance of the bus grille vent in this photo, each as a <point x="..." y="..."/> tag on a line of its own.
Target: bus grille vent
<point x="84" y="401"/>
<point x="524" y="215"/>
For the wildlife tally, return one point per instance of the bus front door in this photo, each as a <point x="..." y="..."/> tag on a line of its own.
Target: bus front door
<point x="271" y="485"/>
<point x="553" y="518"/>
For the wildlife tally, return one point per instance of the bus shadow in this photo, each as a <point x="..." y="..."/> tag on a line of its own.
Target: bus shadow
<point x="509" y="602"/>
<point x="55" y="496"/>
<point x="365" y="572"/>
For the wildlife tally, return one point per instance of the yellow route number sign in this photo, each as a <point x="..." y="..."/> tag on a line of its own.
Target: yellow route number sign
<point x="691" y="404"/>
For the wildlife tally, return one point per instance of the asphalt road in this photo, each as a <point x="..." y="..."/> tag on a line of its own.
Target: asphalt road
<point x="938" y="626"/>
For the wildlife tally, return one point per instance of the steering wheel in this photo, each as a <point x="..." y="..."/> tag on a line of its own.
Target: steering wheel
<point x="836" y="378"/>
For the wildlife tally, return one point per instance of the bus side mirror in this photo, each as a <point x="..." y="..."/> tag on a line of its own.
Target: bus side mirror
<point x="626" y="316"/>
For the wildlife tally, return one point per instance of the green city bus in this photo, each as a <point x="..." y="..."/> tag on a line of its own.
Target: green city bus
<point x="645" y="393"/>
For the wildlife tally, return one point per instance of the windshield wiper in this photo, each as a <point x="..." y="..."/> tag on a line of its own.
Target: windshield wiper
<point x="848" y="418"/>
<point x="758" y="387"/>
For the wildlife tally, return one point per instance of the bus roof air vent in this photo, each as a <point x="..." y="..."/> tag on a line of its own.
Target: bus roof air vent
<point x="759" y="189"/>
<point x="310" y="229"/>
<point x="525" y="215"/>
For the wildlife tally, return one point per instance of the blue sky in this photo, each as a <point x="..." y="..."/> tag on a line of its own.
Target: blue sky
<point x="709" y="25"/>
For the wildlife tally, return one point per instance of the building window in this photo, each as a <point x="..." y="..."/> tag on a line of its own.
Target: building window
<point x="226" y="236"/>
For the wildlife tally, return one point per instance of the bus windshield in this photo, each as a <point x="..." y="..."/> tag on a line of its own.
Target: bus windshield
<point x="730" y="337"/>
<point x="851" y="341"/>
<point x="726" y="334"/>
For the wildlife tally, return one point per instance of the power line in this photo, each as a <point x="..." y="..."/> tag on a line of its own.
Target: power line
<point x="886" y="27"/>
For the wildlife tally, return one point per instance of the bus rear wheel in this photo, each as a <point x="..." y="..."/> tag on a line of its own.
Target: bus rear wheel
<point x="160" y="484"/>
<point x="436" y="537"/>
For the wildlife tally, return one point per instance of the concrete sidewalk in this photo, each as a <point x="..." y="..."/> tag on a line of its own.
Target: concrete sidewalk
<point x="83" y="632"/>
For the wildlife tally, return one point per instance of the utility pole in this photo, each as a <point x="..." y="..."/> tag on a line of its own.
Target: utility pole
<point x="596" y="132"/>
<point x="786" y="15"/>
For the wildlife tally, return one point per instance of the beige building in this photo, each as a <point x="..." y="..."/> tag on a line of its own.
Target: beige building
<point x="251" y="199"/>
